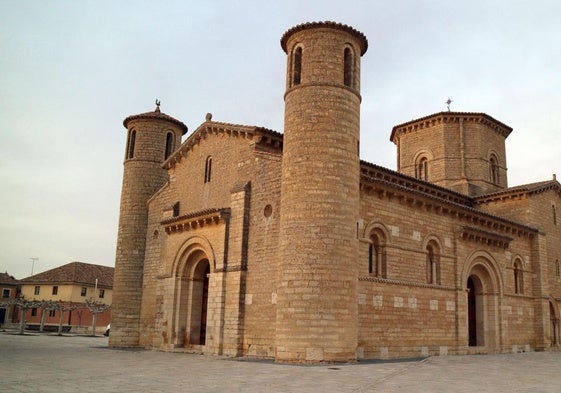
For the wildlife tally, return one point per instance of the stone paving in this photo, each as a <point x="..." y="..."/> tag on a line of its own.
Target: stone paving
<point x="71" y="363"/>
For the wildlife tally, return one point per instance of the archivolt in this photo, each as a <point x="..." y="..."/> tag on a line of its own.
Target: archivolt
<point x="189" y="247"/>
<point x="484" y="260"/>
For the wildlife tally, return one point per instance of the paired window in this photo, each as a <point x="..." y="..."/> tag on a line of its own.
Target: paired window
<point x="84" y="291"/>
<point x="169" y="145"/>
<point x="55" y="290"/>
<point x="518" y="277"/>
<point x="130" y="144"/>
<point x="37" y="290"/>
<point x="208" y="169"/>
<point x="377" y="255"/>
<point x="422" y="168"/>
<point x="433" y="263"/>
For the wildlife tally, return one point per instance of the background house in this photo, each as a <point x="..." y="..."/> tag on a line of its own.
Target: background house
<point x="73" y="284"/>
<point x="9" y="290"/>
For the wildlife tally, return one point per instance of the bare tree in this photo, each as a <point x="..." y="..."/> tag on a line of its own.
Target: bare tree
<point x="96" y="308"/>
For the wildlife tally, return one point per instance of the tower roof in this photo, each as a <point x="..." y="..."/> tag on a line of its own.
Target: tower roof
<point x="156" y="115"/>
<point x="327" y="24"/>
<point x="449" y="117"/>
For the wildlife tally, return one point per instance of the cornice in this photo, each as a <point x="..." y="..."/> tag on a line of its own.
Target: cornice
<point x="260" y="136"/>
<point x="449" y="117"/>
<point x="329" y="25"/>
<point x="155" y="115"/>
<point x="420" y="194"/>
<point x="196" y="220"/>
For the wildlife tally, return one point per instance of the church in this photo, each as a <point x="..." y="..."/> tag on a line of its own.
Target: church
<point x="243" y="241"/>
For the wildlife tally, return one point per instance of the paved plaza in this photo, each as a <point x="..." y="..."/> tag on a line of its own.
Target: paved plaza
<point x="71" y="363"/>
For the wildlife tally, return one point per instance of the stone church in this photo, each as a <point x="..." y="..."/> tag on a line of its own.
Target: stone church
<point x="242" y="241"/>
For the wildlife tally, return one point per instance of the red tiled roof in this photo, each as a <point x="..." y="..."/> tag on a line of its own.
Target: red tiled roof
<point x="5" y="278"/>
<point x="75" y="273"/>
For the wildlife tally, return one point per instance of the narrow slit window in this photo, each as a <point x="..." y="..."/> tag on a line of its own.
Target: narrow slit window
<point x="297" y="67"/>
<point x="422" y="169"/>
<point x="130" y="144"/>
<point x="554" y="213"/>
<point x="169" y="145"/>
<point x="494" y="167"/>
<point x="208" y="169"/>
<point x="348" y="68"/>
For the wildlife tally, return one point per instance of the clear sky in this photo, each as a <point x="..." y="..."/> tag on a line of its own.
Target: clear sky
<point x="71" y="71"/>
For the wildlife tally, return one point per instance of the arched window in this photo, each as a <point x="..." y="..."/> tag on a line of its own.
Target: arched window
<point x="169" y="145"/>
<point x="348" y="67"/>
<point x="208" y="169"/>
<point x="296" y="66"/>
<point x="377" y="255"/>
<point x="518" y="277"/>
<point x="433" y="263"/>
<point x="422" y="168"/>
<point x="494" y="169"/>
<point x="130" y="144"/>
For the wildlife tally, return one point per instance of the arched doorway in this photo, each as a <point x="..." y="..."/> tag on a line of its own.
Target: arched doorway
<point x="483" y="311"/>
<point x="192" y="305"/>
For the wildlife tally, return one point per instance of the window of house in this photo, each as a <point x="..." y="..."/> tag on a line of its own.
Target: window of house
<point x="169" y="144"/>
<point x="422" y="169"/>
<point x="348" y="67"/>
<point x="37" y="289"/>
<point x="6" y="293"/>
<point x="433" y="263"/>
<point x="130" y="144"/>
<point x="377" y="255"/>
<point x="34" y="312"/>
<point x="52" y="313"/>
<point x="55" y="290"/>
<point x="297" y="66"/>
<point x="84" y="291"/>
<point x="208" y="169"/>
<point x="101" y="293"/>
<point x="518" y="277"/>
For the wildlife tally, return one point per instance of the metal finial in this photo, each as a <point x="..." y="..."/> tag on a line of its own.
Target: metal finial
<point x="157" y="105"/>
<point x="448" y="102"/>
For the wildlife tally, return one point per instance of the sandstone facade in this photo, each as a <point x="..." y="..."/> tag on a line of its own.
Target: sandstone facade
<point x="243" y="241"/>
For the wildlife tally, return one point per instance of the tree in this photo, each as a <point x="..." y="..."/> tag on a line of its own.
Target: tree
<point x="62" y="308"/>
<point x="96" y="308"/>
<point x="24" y="305"/>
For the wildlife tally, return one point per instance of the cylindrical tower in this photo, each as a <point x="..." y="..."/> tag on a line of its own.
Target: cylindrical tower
<point x="318" y="267"/>
<point x="152" y="137"/>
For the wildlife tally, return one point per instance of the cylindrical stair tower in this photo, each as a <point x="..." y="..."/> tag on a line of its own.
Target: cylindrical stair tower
<point x="152" y="137"/>
<point x="318" y="268"/>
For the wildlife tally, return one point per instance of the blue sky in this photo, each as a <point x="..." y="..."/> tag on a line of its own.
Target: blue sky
<point x="71" y="71"/>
